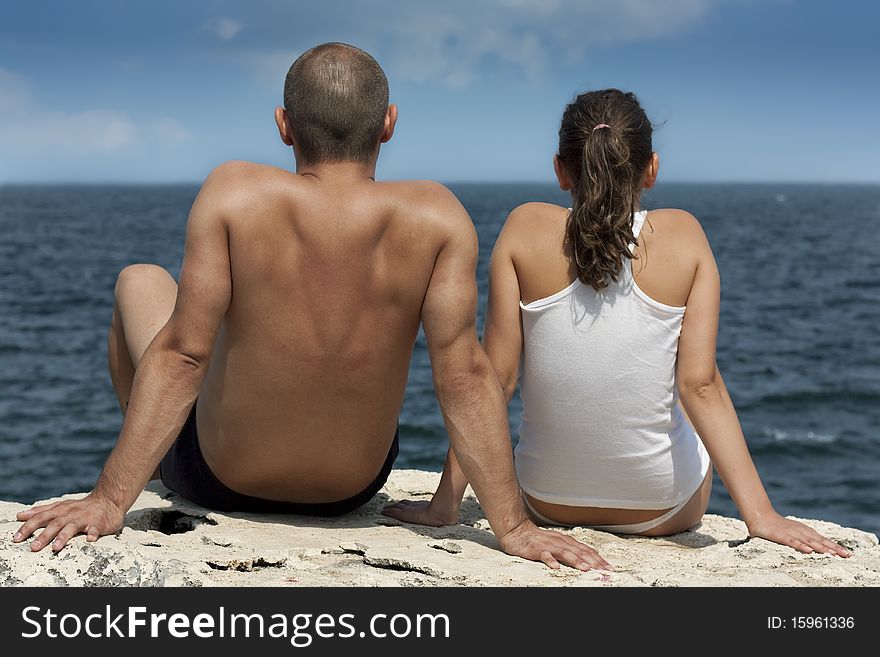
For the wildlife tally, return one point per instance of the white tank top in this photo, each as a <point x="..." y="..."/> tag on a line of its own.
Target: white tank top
<point x="601" y="425"/>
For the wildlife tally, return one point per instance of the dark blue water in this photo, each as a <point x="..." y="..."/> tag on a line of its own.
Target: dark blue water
<point x="799" y="344"/>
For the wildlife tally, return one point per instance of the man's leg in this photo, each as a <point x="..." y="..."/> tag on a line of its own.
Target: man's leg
<point x="145" y="297"/>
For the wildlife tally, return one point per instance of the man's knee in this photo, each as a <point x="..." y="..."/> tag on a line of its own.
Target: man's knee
<point x="141" y="278"/>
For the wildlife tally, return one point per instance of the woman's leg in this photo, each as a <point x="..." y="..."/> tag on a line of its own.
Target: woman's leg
<point x="691" y="513"/>
<point x="544" y="513"/>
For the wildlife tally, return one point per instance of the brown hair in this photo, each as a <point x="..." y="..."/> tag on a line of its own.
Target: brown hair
<point x="336" y="97"/>
<point x="605" y="148"/>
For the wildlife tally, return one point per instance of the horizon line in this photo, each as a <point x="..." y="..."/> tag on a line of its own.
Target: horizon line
<point x="513" y="181"/>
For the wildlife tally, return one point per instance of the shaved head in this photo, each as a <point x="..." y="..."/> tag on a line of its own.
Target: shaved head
<point x="336" y="96"/>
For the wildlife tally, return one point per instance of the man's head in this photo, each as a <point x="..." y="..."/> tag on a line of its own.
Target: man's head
<point x="335" y="106"/>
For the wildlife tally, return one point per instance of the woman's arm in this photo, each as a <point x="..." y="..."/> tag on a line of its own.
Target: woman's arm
<point x="502" y="334"/>
<point x="706" y="401"/>
<point x="502" y="341"/>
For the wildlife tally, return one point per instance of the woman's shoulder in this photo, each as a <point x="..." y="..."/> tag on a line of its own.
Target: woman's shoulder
<point x="681" y="222"/>
<point x="534" y="211"/>
<point x="531" y="219"/>
<point x="674" y="217"/>
<point x="530" y="225"/>
<point x="679" y="228"/>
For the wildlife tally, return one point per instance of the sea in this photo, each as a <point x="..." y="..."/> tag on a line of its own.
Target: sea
<point x="798" y="345"/>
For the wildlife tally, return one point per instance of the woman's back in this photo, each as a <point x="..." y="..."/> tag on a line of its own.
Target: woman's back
<point x="601" y="422"/>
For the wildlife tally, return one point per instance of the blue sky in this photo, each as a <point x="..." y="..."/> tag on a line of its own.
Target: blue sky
<point x="746" y="90"/>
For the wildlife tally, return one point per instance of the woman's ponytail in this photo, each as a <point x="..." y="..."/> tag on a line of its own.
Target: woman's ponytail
<point x="605" y="148"/>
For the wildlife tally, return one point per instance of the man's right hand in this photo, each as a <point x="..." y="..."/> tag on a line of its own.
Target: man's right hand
<point x="94" y="516"/>
<point x="551" y="547"/>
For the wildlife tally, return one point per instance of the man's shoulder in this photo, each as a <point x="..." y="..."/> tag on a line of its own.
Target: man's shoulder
<point x="239" y="168"/>
<point x="424" y="193"/>
<point x="235" y="175"/>
<point x="237" y="184"/>
<point x="428" y="202"/>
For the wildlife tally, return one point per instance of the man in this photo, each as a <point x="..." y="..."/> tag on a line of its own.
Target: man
<point x="270" y="379"/>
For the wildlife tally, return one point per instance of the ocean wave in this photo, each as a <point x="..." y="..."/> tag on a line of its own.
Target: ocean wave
<point x="797" y="436"/>
<point x="839" y="395"/>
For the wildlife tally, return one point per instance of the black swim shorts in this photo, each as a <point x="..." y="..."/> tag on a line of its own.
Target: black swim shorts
<point x="184" y="470"/>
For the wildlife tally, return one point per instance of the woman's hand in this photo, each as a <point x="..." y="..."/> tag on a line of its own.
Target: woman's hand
<point x="794" y="534"/>
<point x="444" y="507"/>
<point x="422" y="513"/>
<point x="94" y="516"/>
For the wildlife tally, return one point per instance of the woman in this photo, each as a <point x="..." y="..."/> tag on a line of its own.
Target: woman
<point x="624" y="409"/>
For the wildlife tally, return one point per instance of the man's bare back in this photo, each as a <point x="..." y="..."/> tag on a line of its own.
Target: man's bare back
<point x="309" y="368"/>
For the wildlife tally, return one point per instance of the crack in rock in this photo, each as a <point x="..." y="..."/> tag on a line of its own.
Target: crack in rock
<point x="247" y="565"/>
<point x="167" y="521"/>
<point x="57" y="577"/>
<point x="115" y="570"/>
<point x="6" y="576"/>
<point x="387" y="522"/>
<point x="750" y="552"/>
<point x="393" y="563"/>
<point x="447" y="546"/>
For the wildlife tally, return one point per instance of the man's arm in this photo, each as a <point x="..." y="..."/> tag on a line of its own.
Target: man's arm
<point x="166" y="384"/>
<point x="502" y="342"/>
<point x="473" y="403"/>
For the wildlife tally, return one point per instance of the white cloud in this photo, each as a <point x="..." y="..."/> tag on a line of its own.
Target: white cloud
<point x="225" y="28"/>
<point x="450" y="42"/>
<point x="101" y="131"/>
<point x="541" y="6"/>
<point x="13" y="91"/>
<point x="431" y="48"/>
<point x="30" y="128"/>
<point x="168" y="131"/>
<point x="272" y="66"/>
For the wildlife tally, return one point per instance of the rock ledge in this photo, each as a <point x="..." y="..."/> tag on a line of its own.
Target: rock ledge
<point x="168" y="541"/>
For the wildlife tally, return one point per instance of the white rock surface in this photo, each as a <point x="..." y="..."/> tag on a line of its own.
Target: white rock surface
<point x="168" y="541"/>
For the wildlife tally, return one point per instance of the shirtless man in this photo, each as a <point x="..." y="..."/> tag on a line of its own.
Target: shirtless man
<point x="293" y="324"/>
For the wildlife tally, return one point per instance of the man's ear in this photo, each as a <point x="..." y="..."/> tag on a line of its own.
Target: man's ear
<point x="652" y="171"/>
<point x="283" y="126"/>
<point x="561" y="174"/>
<point x="390" y="122"/>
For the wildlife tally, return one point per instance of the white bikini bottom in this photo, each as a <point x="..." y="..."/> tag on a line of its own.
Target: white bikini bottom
<point x="633" y="528"/>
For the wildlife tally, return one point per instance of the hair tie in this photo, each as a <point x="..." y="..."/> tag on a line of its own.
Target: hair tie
<point x="601" y="125"/>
